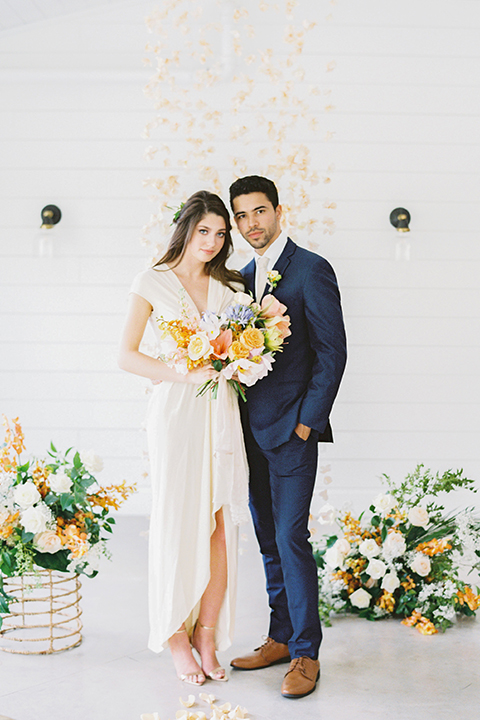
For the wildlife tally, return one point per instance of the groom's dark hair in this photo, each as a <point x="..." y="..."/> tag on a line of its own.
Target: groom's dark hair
<point x="251" y="184"/>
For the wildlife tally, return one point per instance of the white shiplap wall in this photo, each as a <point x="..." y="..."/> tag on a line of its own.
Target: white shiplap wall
<point x="405" y="88"/>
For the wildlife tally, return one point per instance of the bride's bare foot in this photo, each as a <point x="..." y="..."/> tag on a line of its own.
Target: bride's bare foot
<point x="186" y="666"/>
<point x="203" y="640"/>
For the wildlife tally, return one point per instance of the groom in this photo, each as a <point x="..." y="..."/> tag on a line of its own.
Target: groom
<point x="286" y="415"/>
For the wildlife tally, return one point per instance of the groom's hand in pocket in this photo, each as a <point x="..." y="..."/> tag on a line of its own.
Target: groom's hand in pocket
<point x="303" y="432"/>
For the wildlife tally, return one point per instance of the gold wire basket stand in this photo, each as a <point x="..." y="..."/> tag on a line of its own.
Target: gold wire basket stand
<point x="44" y="614"/>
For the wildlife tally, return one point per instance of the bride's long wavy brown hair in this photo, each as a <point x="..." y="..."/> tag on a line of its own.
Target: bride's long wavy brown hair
<point x="197" y="206"/>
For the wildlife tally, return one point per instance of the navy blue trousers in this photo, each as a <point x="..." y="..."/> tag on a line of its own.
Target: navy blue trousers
<point x="281" y="488"/>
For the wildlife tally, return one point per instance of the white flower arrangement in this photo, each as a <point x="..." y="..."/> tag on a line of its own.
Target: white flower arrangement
<point x="407" y="560"/>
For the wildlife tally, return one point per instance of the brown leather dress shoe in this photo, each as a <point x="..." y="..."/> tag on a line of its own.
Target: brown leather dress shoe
<point x="270" y="653"/>
<point x="301" y="677"/>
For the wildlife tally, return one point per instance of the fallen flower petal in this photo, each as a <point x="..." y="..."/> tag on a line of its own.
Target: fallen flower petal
<point x="189" y="702"/>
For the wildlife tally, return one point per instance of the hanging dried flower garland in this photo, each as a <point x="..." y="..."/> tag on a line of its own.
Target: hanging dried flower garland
<point x="233" y="96"/>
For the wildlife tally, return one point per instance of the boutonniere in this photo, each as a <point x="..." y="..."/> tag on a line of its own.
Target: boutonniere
<point x="273" y="278"/>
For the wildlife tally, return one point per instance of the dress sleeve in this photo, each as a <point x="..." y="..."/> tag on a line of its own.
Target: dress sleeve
<point x="146" y="286"/>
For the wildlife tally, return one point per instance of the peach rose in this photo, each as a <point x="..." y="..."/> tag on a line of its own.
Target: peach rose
<point x="47" y="542"/>
<point x="237" y="351"/>
<point x="252" y="338"/>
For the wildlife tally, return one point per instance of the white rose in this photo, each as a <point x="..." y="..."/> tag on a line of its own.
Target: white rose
<point x="376" y="569"/>
<point x="384" y="503"/>
<point x="199" y="346"/>
<point x="343" y="546"/>
<point x="390" y="582"/>
<point x="335" y="556"/>
<point x="360" y="598"/>
<point x="59" y="482"/>
<point x="394" y="545"/>
<point x="93" y="463"/>
<point x="418" y="516"/>
<point x="26" y="495"/>
<point x="33" y="520"/>
<point x="47" y="542"/>
<point x="421" y="564"/>
<point x="242" y="298"/>
<point x="369" y="548"/>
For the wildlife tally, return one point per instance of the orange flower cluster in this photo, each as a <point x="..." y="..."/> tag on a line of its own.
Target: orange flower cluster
<point x="352" y="582"/>
<point x="423" y="624"/>
<point x="8" y="525"/>
<point x="73" y="539"/>
<point x="352" y="528"/>
<point x="386" y="601"/>
<point x="469" y="598"/>
<point x="14" y="441"/>
<point x="434" y="547"/>
<point x="408" y="584"/>
<point x="112" y="496"/>
<point x="40" y="474"/>
<point x="357" y="565"/>
<point x="182" y="334"/>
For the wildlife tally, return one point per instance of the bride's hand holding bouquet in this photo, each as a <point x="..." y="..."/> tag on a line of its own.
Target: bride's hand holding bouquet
<point x="239" y="344"/>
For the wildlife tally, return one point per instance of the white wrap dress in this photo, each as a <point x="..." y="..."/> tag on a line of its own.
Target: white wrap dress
<point x="198" y="465"/>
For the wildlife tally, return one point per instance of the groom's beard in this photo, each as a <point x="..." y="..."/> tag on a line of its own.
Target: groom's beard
<point x="262" y="237"/>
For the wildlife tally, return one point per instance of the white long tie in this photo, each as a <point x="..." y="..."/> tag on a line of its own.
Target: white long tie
<point x="261" y="276"/>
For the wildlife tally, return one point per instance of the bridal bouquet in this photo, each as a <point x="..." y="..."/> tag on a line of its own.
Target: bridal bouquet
<point x="52" y="511"/>
<point x="406" y="559"/>
<point x="240" y="343"/>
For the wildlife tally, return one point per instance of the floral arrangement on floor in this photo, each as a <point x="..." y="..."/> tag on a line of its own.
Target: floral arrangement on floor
<point x="218" y="712"/>
<point x="52" y="511"/>
<point x="240" y="343"/>
<point x="406" y="559"/>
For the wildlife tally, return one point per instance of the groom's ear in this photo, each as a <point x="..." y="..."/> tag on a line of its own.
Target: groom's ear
<point x="279" y="213"/>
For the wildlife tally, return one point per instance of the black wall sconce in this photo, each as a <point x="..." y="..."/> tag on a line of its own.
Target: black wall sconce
<point x="400" y="219"/>
<point x="51" y="215"/>
<point x="47" y="235"/>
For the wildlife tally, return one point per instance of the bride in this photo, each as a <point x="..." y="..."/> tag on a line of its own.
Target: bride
<point x="199" y="483"/>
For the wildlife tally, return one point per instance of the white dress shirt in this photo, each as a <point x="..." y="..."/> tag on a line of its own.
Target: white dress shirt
<point x="272" y="253"/>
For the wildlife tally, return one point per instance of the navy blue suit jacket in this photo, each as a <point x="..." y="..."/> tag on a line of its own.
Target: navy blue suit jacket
<point x="306" y="376"/>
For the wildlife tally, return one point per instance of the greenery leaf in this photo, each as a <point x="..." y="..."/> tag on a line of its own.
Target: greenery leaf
<point x="57" y="561"/>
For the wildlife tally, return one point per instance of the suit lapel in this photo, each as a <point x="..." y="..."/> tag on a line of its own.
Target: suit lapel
<point x="248" y="273"/>
<point x="283" y="261"/>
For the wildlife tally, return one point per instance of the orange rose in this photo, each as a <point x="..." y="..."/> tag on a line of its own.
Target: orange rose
<point x="237" y="351"/>
<point x="252" y="338"/>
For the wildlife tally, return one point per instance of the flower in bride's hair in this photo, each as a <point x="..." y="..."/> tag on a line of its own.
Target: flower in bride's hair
<point x="199" y="346"/>
<point x="221" y="344"/>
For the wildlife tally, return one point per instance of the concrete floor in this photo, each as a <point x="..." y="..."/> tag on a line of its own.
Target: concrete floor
<point x="369" y="670"/>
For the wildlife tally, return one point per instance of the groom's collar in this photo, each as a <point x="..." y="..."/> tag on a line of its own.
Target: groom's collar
<point x="274" y="251"/>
